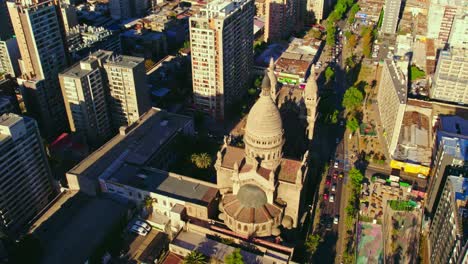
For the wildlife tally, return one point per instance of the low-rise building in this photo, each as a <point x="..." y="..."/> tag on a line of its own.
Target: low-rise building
<point x="83" y="40"/>
<point x="137" y="144"/>
<point x="144" y="43"/>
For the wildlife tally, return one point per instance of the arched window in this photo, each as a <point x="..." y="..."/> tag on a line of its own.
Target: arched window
<point x="245" y="228"/>
<point x="263" y="227"/>
<point x="239" y="226"/>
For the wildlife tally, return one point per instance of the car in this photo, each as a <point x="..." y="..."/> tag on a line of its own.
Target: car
<point x="143" y="224"/>
<point x="335" y="165"/>
<point x="341" y="174"/>
<point x="139" y="230"/>
<point x="335" y="174"/>
<point x="332" y="198"/>
<point x="328" y="225"/>
<point x="341" y="123"/>
<point x="328" y="182"/>
<point x="325" y="196"/>
<point x="335" y="220"/>
<point x="337" y="140"/>
<point x="333" y="188"/>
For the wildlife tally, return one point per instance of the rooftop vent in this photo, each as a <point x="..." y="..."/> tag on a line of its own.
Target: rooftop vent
<point x="164" y="123"/>
<point x="142" y="176"/>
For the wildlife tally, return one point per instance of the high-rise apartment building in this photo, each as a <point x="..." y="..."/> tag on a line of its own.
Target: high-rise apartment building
<point x="449" y="156"/>
<point x="392" y="98"/>
<point x="281" y="18"/>
<point x="315" y="10"/>
<point x="448" y="231"/>
<point x="440" y="16"/>
<point x="391" y="16"/>
<point x="124" y="9"/>
<point x="221" y="48"/>
<point x="6" y="31"/>
<point x="84" y="88"/>
<point x="451" y="77"/>
<point x="43" y="57"/>
<point x="129" y="93"/>
<point x="68" y="16"/>
<point x="27" y="183"/>
<point x="8" y="104"/>
<point x="9" y="56"/>
<point x="459" y="33"/>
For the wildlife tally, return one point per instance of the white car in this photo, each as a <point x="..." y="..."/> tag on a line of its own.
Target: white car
<point x="139" y="230"/>
<point x="143" y="224"/>
<point x="335" y="165"/>
<point x="332" y="198"/>
<point x="333" y="188"/>
<point x="335" y="220"/>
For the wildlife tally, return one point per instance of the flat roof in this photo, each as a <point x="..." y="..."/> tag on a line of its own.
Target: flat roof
<point x="399" y="80"/>
<point x="211" y="248"/>
<point x="75" y="225"/>
<point x="77" y="71"/>
<point x="165" y="183"/>
<point x="124" y="61"/>
<point x="134" y="145"/>
<point x="9" y="119"/>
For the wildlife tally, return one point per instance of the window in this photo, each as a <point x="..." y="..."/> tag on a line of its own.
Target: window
<point x="245" y="228"/>
<point x="130" y="194"/>
<point x="164" y="202"/>
<point x="139" y="195"/>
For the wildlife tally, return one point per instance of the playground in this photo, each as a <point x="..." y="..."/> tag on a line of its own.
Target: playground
<point x="369" y="243"/>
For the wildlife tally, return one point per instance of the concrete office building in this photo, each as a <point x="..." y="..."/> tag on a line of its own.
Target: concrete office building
<point x="221" y="49"/>
<point x="315" y="10"/>
<point x="449" y="155"/>
<point x="84" y="88"/>
<point x="440" y="16"/>
<point x="6" y="30"/>
<point x="448" y="230"/>
<point x="27" y="183"/>
<point x="68" y="15"/>
<point x="459" y="33"/>
<point x="391" y="16"/>
<point x="129" y="93"/>
<point x="9" y="56"/>
<point x="281" y="18"/>
<point x="43" y="57"/>
<point x="392" y="98"/>
<point x="124" y="9"/>
<point x="450" y="82"/>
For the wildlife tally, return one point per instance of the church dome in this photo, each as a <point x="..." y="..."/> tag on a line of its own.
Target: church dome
<point x="250" y="196"/>
<point x="264" y="119"/>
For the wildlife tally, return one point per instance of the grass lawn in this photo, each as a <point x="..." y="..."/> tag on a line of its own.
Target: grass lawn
<point x="416" y="73"/>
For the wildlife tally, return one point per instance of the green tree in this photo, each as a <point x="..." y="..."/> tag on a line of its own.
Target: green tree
<point x="352" y="124"/>
<point x="148" y="202"/>
<point x="258" y="81"/>
<point x="252" y="91"/>
<point x="195" y="257"/>
<point x="356" y="178"/>
<point x="352" y="98"/>
<point x="352" y="41"/>
<point x="334" y="117"/>
<point x="316" y="33"/>
<point x="312" y="243"/>
<point x="201" y="160"/>
<point x="331" y="31"/>
<point x="329" y="73"/>
<point x="416" y="73"/>
<point x="234" y="258"/>
<point x="367" y="38"/>
<point x="379" y="23"/>
<point x="352" y="13"/>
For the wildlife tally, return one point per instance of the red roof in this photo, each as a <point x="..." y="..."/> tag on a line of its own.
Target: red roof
<point x="173" y="259"/>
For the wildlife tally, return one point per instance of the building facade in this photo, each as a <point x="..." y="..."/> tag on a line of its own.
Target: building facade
<point x="125" y="9"/>
<point x="6" y="30"/>
<point x="261" y="189"/>
<point x="391" y="16"/>
<point x="27" y="183"/>
<point x="84" y="88"/>
<point x="221" y="50"/>
<point x="459" y="32"/>
<point x="441" y="16"/>
<point x="43" y="57"/>
<point x="447" y="233"/>
<point x="392" y="98"/>
<point x="129" y="93"/>
<point x="83" y="40"/>
<point x="9" y="56"/>
<point x="281" y="18"/>
<point x="449" y="156"/>
<point x="451" y="77"/>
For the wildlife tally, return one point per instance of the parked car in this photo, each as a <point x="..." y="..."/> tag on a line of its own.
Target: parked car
<point x="335" y="220"/>
<point x="335" y="165"/>
<point x="341" y="174"/>
<point x="325" y="196"/>
<point x="333" y="188"/>
<point x="143" y="224"/>
<point x="332" y="198"/>
<point x="139" y="230"/>
<point x="328" y="182"/>
<point x="335" y="174"/>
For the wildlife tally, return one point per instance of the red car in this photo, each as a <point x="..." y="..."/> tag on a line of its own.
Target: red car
<point x="325" y="196"/>
<point x="328" y="182"/>
<point x="335" y="174"/>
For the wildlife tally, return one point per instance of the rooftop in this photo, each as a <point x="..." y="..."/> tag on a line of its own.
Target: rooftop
<point x="221" y="8"/>
<point x="9" y="119"/>
<point x="211" y="248"/>
<point x="124" y="61"/>
<point x="83" y="67"/>
<point x="165" y="183"/>
<point x="136" y="144"/>
<point x="399" y="80"/>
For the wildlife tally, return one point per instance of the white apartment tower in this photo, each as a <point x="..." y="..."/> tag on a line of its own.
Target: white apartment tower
<point x="441" y="17"/>
<point x="9" y="55"/>
<point x="391" y="16"/>
<point x="84" y="89"/>
<point x="26" y="183"/>
<point x="221" y="45"/>
<point x="450" y="81"/>
<point x="43" y="57"/>
<point x="129" y="93"/>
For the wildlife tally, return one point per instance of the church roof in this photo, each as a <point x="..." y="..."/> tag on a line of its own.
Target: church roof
<point x="251" y="196"/>
<point x="232" y="155"/>
<point x="264" y="119"/>
<point x="247" y="214"/>
<point x="288" y="170"/>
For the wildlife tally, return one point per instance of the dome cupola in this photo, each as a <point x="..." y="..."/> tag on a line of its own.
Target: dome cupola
<point x="264" y="130"/>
